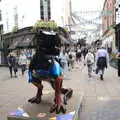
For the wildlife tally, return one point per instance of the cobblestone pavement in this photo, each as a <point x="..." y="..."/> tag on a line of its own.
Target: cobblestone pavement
<point x="101" y="101"/>
<point x="102" y="98"/>
<point x="14" y="92"/>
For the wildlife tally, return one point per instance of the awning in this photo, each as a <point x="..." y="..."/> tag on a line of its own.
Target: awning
<point x="22" y="41"/>
<point x="64" y="40"/>
<point x="26" y="42"/>
<point x="16" y="41"/>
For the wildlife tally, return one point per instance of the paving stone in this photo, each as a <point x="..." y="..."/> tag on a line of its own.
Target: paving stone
<point x="102" y="98"/>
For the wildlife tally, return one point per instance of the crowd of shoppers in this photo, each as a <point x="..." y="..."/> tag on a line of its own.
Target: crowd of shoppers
<point x="96" y="61"/>
<point x="68" y="58"/>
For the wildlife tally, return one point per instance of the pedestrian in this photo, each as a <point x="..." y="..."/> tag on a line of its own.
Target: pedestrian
<point x="102" y="59"/>
<point x="118" y="61"/>
<point x="84" y="52"/>
<point x="78" y="55"/>
<point x="89" y="61"/>
<point x="22" y="62"/>
<point x="71" y="59"/>
<point x="12" y="63"/>
<point x="64" y="61"/>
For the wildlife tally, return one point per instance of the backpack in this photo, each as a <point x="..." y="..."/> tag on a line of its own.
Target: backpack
<point x="101" y="63"/>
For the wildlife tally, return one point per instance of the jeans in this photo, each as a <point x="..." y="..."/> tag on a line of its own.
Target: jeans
<point x="23" y="68"/>
<point x="90" y="67"/>
<point x="11" y="68"/>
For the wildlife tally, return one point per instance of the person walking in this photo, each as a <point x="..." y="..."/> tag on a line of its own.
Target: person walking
<point x="64" y="61"/>
<point x="89" y="61"/>
<point x="22" y="62"/>
<point x="102" y="59"/>
<point x="78" y="55"/>
<point x="71" y="59"/>
<point x="12" y="63"/>
<point x="84" y="52"/>
<point x="118" y="62"/>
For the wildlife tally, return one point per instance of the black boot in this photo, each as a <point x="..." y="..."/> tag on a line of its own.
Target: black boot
<point x="101" y="77"/>
<point x="38" y="97"/>
<point x="67" y="95"/>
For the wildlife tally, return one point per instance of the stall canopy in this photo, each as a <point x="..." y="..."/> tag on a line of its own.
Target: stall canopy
<point x="32" y="40"/>
<point x="22" y="41"/>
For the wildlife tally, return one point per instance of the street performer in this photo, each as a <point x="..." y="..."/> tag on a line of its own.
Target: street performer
<point x="44" y="68"/>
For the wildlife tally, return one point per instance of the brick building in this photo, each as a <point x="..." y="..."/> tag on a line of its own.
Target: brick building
<point x="108" y="23"/>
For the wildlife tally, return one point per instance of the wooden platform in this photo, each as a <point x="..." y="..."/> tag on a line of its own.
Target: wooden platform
<point x="33" y="110"/>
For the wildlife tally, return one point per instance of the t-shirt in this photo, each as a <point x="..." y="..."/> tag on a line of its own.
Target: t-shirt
<point x="89" y="58"/>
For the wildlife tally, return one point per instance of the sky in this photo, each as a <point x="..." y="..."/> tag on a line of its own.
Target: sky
<point x="87" y="5"/>
<point x="33" y="7"/>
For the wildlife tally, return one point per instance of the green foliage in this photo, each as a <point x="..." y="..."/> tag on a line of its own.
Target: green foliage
<point x="48" y="25"/>
<point x="66" y="29"/>
<point x="15" y="29"/>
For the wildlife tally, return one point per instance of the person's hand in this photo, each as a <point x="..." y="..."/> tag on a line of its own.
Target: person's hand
<point x="9" y="64"/>
<point x="118" y="56"/>
<point x="33" y="71"/>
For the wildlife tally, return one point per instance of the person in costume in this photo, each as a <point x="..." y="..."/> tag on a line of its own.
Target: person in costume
<point x="44" y="68"/>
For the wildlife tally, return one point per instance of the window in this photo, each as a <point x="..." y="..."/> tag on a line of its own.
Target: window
<point x="42" y="15"/>
<point x="49" y="15"/>
<point x="41" y="7"/>
<point x="1" y="29"/>
<point x="41" y="10"/>
<point x="48" y="1"/>
<point x="0" y="15"/>
<point x="49" y="10"/>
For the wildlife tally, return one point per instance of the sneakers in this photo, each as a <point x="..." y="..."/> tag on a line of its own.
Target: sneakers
<point x="89" y="75"/>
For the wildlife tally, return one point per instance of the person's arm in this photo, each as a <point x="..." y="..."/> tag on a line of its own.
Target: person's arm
<point x="86" y="57"/>
<point x="8" y="61"/>
<point x="96" y="57"/>
<point x="93" y="59"/>
<point x="19" y="61"/>
<point x="117" y="56"/>
<point x="107" y="58"/>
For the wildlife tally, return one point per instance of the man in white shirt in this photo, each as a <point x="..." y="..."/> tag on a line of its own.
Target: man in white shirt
<point x="64" y="61"/>
<point x="22" y="62"/>
<point x="102" y="59"/>
<point x="89" y="61"/>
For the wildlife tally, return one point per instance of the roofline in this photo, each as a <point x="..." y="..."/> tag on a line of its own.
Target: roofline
<point x="104" y="5"/>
